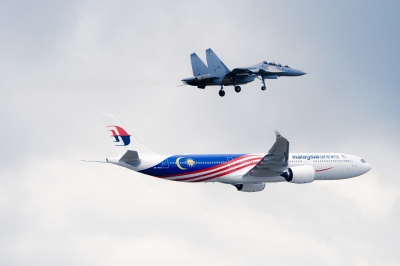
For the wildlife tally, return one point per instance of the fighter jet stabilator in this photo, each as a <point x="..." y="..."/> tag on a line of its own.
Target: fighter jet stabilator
<point x="218" y="74"/>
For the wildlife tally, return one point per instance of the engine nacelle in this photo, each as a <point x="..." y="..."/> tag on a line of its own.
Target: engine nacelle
<point x="255" y="187"/>
<point x="300" y="174"/>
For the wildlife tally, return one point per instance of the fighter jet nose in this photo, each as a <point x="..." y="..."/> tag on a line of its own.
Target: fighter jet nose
<point x="299" y="73"/>
<point x="302" y="73"/>
<point x="295" y="72"/>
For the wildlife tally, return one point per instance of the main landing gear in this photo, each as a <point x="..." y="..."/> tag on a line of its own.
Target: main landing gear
<point x="237" y="88"/>
<point x="221" y="92"/>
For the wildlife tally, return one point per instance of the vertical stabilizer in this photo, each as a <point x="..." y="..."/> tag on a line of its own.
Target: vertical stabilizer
<point x="122" y="139"/>
<point x="215" y="65"/>
<point x="198" y="66"/>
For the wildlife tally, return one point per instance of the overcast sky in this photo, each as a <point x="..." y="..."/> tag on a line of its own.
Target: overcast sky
<point x="63" y="63"/>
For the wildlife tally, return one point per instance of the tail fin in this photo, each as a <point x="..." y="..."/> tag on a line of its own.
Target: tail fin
<point x="215" y="65"/>
<point x="198" y="66"/>
<point x="122" y="138"/>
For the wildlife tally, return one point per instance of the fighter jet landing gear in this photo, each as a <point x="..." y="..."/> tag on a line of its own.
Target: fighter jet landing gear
<point x="238" y="89"/>
<point x="263" y="88"/>
<point x="221" y="92"/>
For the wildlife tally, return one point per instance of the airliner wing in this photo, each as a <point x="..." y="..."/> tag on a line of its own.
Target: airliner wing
<point x="275" y="162"/>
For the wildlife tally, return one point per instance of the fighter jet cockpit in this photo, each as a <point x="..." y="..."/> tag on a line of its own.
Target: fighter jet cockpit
<point x="272" y="63"/>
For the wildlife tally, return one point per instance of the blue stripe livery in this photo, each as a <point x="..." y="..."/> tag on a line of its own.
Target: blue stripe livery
<point x="189" y="163"/>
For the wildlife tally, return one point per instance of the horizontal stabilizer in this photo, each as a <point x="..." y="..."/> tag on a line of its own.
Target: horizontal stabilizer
<point x="131" y="158"/>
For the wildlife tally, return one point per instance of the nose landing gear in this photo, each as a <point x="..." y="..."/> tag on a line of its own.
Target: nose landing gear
<point x="221" y="92"/>
<point x="238" y="89"/>
<point x="263" y="88"/>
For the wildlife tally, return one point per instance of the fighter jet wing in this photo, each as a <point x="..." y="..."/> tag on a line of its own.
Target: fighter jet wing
<point x="275" y="162"/>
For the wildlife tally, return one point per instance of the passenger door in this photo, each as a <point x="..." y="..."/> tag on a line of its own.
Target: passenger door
<point x="354" y="162"/>
<point x="165" y="164"/>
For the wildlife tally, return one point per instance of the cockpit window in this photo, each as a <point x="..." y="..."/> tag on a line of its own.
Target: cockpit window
<point x="279" y="65"/>
<point x="286" y="66"/>
<point x="265" y="62"/>
<point x="363" y="161"/>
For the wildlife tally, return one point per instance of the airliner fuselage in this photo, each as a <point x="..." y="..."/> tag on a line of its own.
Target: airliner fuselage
<point x="236" y="168"/>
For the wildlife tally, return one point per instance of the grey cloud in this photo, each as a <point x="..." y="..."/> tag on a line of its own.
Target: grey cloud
<point x="127" y="58"/>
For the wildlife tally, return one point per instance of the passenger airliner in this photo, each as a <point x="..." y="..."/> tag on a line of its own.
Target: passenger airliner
<point x="247" y="172"/>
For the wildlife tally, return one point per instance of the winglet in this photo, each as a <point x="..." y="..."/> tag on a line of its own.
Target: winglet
<point x="280" y="147"/>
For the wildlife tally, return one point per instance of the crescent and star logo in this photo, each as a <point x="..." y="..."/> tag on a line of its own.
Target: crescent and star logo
<point x="120" y="133"/>
<point x="189" y="162"/>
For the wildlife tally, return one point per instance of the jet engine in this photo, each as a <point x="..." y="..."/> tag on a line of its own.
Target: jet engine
<point x="255" y="187"/>
<point x="300" y="174"/>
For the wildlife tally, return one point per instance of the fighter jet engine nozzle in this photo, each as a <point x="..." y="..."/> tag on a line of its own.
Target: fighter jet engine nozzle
<point x="250" y="187"/>
<point x="300" y="174"/>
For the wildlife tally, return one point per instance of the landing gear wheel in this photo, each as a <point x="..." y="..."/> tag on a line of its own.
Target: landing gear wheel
<point x="221" y="93"/>
<point x="238" y="89"/>
<point x="263" y="88"/>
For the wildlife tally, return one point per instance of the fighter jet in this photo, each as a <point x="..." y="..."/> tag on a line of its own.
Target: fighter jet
<point x="218" y="74"/>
